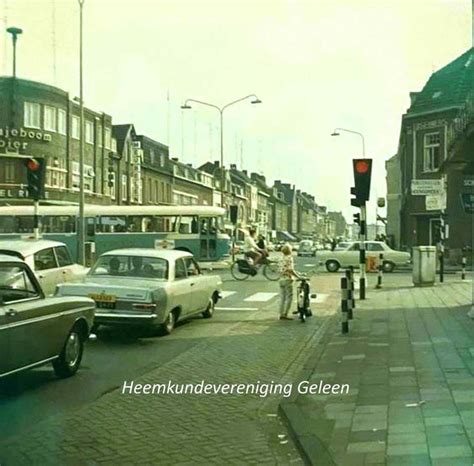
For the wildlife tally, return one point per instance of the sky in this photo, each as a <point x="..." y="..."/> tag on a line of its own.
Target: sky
<point x="316" y="65"/>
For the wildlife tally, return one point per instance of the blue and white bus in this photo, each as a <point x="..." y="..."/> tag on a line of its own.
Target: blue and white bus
<point x="197" y="229"/>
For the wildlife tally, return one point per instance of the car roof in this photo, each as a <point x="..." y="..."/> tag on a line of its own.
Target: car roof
<point x="6" y="258"/>
<point x="168" y="254"/>
<point x="27" y="247"/>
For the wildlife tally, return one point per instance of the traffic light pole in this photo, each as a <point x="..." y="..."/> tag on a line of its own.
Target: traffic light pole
<point x="36" y="219"/>
<point x="362" y="236"/>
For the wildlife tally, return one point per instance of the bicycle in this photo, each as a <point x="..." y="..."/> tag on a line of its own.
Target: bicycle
<point x="242" y="269"/>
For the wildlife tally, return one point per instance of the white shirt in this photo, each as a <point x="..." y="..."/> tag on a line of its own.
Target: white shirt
<point x="250" y="244"/>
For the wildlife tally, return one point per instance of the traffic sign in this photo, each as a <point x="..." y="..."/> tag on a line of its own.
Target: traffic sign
<point x="426" y="187"/>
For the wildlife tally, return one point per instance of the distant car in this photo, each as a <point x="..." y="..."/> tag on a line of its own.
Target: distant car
<point x="295" y="246"/>
<point x="348" y="255"/>
<point x="147" y="287"/>
<point x="35" y="330"/>
<point x="306" y="248"/>
<point x="49" y="260"/>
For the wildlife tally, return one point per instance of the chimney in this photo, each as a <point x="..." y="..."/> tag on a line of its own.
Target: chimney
<point x="217" y="164"/>
<point x="245" y="172"/>
<point x="189" y="165"/>
<point x="174" y="159"/>
<point x="413" y="96"/>
<point x="233" y="166"/>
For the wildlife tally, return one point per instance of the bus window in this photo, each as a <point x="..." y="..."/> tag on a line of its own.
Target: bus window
<point x="188" y="225"/>
<point x="58" y="224"/>
<point x="8" y="225"/>
<point x="25" y="224"/>
<point x="164" y="224"/>
<point x="107" y="224"/>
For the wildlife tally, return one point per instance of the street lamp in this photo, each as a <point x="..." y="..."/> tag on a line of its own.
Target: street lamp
<point x="15" y="32"/>
<point x="81" y="226"/>
<point x="186" y="106"/>
<point x="336" y="132"/>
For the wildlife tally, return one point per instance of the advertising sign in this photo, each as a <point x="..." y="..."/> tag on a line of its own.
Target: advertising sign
<point x="426" y="187"/>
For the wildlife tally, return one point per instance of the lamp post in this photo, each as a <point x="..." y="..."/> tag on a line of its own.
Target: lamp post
<point x="15" y="32"/>
<point x="363" y="220"/>
<point x="186" y="106"/>
<point x="81" y="226"/>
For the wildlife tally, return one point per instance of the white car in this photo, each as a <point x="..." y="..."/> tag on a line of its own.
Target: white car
<point x="306" y="248"/>
<point x="147" y="287"/>
<point x="49" y="260"/>
<point x="349" y="256"/>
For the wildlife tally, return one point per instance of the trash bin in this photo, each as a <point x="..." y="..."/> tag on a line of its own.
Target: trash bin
<point x="424" y="265"/>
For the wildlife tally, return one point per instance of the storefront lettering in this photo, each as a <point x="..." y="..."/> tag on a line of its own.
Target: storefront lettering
<point x="7" y="133"/>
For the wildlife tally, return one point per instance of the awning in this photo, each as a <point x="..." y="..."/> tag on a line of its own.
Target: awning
<point x="286" y="236"/>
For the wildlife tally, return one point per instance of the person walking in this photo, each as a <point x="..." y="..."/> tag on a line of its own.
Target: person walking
<point x="288" y="273"/>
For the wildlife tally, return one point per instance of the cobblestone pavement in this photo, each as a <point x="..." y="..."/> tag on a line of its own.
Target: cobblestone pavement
<point x="245" y="347"/>
<point x="409" y="361"/>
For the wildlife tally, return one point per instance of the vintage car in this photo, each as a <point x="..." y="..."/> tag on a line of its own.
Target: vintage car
<point x="147" y="287"/>
<point x="348" y="255"/>
<point x="35" y="330"/>
<point x="49" y="260"/>
<point x="306" y="248"/>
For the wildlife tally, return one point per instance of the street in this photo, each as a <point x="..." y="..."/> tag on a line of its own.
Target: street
<point x="248" y="309"/>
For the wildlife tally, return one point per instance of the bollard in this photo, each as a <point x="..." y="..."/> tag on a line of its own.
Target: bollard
<point x="344" y="307"/>
<point x="463" y="268"/>
<point x="380" y="272"/>
<point x="352" y="286"/>
<point x="441" y="266"/>
<point x="350" y="295"/>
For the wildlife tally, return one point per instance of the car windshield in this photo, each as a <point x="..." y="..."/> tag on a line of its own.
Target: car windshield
<point x="131" y="266"/>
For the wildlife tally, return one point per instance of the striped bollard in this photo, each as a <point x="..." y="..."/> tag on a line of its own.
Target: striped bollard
<point x="352" y="286"/>
<point x="344" y="306"/>
<point x="350" y="295"/>
<point x="380" y="272"/>
<point x="463" y="268"/>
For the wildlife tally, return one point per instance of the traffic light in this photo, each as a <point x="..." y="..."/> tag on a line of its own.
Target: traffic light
<point x="362" y="174"/>
<point x="35" y="171"/>
<point x="357" y="219"/>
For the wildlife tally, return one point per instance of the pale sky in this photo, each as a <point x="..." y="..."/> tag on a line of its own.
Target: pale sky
<point x="316" y="65"/>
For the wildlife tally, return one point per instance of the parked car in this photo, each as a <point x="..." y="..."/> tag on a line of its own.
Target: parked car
<point x="307" y="248"/>
<point x="349" y="256"/>
<point x="35" y="330"/>
<point x="50" y="261"/>
<point x="147" y="287"/>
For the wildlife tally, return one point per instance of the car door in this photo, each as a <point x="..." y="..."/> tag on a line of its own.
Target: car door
<point x="33" y="324"/>
<point x="199" y="285"/>
<point x="65" y="264"/>
<point x="182" y="288"/>
<point x="375" y="249"/>
<point x="5" y="362"/>
<point x="350" y="255"/>
<point x="47" y="270"/>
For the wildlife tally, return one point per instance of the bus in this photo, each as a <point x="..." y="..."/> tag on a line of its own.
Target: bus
<point x="197" y="229"/>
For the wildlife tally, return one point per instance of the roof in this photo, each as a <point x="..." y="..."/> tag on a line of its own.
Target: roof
<point x="27" y="247"/>
<point x="448" y="87"/>
<point x="120" y="133"/>
<point x="5" y="258"/>
<point x="168" y="254"/>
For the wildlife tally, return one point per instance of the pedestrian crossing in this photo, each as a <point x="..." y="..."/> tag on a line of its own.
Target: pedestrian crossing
<point x="261" y="297"/>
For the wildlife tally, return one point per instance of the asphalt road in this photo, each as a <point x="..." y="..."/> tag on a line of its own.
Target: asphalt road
<point x="115" y="356"/>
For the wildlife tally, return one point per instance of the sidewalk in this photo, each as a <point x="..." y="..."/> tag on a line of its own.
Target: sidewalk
<point x="409" y="361"/>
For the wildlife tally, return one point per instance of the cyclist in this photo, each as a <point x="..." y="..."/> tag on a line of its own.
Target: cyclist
<point x="251" y="250"/>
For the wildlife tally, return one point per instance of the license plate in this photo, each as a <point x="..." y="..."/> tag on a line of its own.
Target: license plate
<point x="103" y="298"/>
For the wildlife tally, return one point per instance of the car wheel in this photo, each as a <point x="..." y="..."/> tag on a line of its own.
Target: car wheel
<point x="71" y="355"/>
<point x="168" y="325"/>
<point x="388" y="267"/>
<point x="209" y="312"/>
<point x="332" y="266"/>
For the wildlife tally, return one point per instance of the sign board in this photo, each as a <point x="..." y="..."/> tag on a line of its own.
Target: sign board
<point x="164" y="243"/>
<point x="426" y="187"/>
<point x="381" y="202"/>
<point x="467" y="200"/>
<point x="436" y="202"/>
<point x="468" y="182"/>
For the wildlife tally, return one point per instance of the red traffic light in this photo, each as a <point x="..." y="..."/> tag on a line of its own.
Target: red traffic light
<point x="361" y="166"/>
<point x="33" y="165"/>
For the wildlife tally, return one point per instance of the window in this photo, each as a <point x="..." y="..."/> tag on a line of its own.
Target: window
<point x="32" y="115"/>
<point x="107" y="138"/>
<point x="354" y="247"/>
<point x="45" y="259"/>
<point x="374" y="247"/>
<point x="15" y="284"/>
<point x="49" y="118"/>
<point x="99" y="134"/>
<point x="114" y="145"/>
<point x="89" y="132"/>
<point x="180" y="269"/>
<point x="432" y="152"/>
<point x="124" y="187"/>
<point x="63" y="257"/>
<point x="189" y="225"/>
<point x="62" y="126"/>
<point x="131" y="266"/>
<point x="191" y="266"/>
<point x="8" y="172"/>
<point x="75" y="129"/>
<point x="88" y="177"/>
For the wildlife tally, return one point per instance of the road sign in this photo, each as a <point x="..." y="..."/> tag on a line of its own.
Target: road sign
<point x="467" y="200"/>
<point x="426" y="187"/>
<point x="436" y="202"/>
